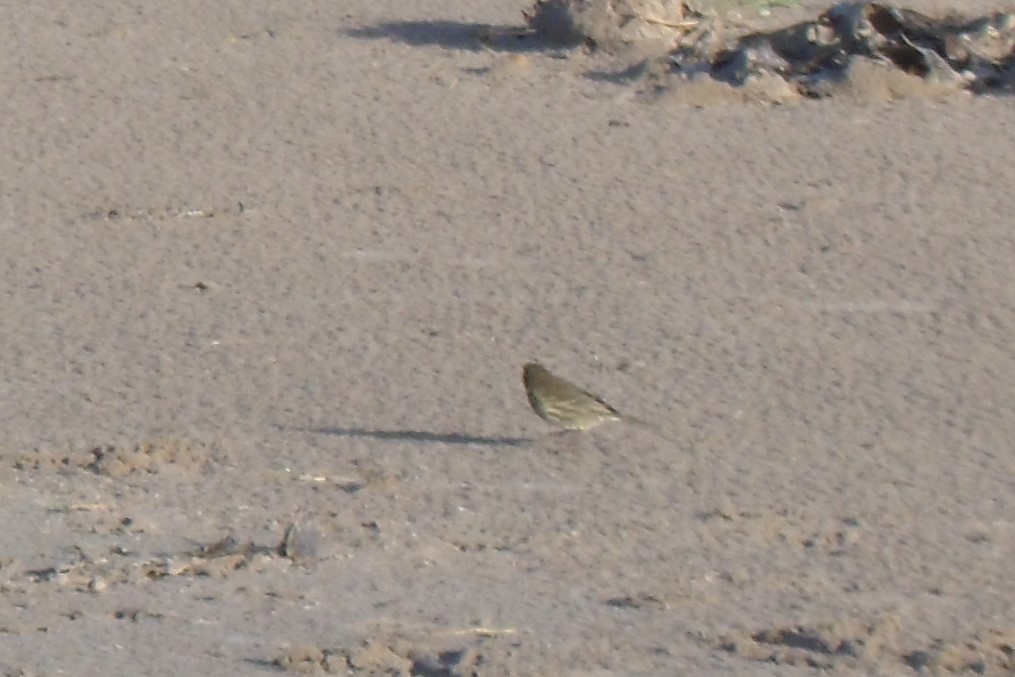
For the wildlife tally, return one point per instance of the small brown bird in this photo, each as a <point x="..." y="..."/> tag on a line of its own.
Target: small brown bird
<point x="562" y="403"/>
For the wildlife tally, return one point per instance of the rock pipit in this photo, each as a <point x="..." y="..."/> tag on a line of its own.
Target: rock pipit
<point x="562" y="403"/>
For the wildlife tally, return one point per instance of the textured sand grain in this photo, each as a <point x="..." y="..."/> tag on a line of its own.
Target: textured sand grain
<point x="278" y="264"/>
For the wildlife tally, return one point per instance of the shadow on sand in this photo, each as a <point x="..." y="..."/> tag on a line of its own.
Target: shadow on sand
<point x="420" y="436"/>
<point x="456" y="35"/>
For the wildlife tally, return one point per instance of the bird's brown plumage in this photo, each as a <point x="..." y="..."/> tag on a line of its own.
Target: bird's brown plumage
<point x="562" y="403"/>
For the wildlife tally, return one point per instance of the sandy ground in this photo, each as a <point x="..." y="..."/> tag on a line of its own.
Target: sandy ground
<point x="271" y="263"/>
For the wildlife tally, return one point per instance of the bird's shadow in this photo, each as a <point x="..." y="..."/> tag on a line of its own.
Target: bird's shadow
<point x="417" y="436"/>
<point x="460" y="35"/>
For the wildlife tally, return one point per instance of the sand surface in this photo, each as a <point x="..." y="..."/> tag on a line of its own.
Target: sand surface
<point x="270" y="263"/>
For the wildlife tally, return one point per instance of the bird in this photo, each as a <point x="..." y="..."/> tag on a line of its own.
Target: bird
<point x="562" y="403"/>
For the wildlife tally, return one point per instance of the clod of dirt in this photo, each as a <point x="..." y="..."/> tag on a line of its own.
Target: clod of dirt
<point x="303" y="658"/>
<point x="300" y="544"/>
<point x="947" y="53"/>
<point x="614" y="25"/>
<point x="449" y="663"/>
<point x="380" y="658"/>
<point x="864" y="50"/>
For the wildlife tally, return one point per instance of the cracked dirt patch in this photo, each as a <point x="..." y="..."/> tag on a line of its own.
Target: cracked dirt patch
<point x="122" y="460"/>
<point x="391" y="656"/>
<point x="96" y="572"/>
<point x="858" y="645"/>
